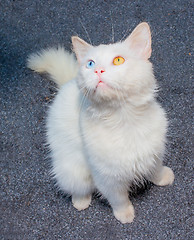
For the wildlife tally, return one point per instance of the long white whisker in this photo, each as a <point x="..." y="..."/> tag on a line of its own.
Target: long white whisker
<point x="122" y="101"/>
<point x="86" y="31"/>
<point x="113" y="33"/>
<point x="83" y="100"/>
<point x="84" y="97"/>
<point x="125" y="34"/>
<point x="125" y="104"/>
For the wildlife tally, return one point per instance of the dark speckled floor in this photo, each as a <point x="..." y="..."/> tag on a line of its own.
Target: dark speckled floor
<point x="31" y="207"/>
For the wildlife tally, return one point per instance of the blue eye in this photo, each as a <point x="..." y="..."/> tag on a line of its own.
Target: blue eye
<point x="90" y="64"/>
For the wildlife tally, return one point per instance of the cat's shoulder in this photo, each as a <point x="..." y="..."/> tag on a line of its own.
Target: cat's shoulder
<point x="67" y="91"/>
<point x="66" y="98"/>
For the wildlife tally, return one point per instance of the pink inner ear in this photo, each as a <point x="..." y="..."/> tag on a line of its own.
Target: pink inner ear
<point x="80" y="47"/>
<point x="140" y="41"/>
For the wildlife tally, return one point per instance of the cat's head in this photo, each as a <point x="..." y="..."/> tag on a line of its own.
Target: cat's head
<point x="118" y="72"/>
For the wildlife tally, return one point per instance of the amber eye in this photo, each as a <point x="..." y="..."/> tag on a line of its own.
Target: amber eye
<point x="118" y="60"/>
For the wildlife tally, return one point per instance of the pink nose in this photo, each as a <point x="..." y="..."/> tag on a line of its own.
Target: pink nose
<point x="99" y="71"/>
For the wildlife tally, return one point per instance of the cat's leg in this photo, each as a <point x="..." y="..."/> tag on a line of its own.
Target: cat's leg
<point x="122" y="207"/>
<point x="161" y="175"/>
<point x="117" y="195"/>
<point x="81" y="202"/>
<point x="74" y="178"/>
<point x="79" y="185"/>
<point x="84" y="187"/>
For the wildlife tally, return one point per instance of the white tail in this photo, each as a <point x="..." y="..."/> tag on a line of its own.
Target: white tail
<point x="58" y="63"/>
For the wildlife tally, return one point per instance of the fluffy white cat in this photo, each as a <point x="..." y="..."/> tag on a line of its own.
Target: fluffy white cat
<point x="105" y="128"/>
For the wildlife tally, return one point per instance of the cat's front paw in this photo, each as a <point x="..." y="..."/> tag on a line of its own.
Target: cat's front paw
<point x="81" y="203"/>
<point x="125" y="215"/>
<point x="167" y="177"/>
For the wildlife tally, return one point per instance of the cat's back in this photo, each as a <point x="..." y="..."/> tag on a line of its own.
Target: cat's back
<point x="65" y="102"/>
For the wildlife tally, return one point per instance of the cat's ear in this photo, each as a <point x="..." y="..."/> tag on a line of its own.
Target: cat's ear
<point x="139" y="41"/>
<point x="80" y="47"/>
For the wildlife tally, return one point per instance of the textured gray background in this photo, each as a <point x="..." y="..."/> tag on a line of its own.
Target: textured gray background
<point x="31" y="207"/>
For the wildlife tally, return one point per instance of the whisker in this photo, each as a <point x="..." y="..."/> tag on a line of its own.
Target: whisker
<point x="122" y="100"/>
<point x="125" y="34"/>
<point x="86" y="31"/>
<point x="83" y="100"/>
<point x="113" y="33"/>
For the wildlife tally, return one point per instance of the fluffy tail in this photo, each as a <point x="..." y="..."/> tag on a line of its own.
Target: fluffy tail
<point x="58" y="63"/>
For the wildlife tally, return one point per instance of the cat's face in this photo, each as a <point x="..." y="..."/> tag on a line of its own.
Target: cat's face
<point x="116" y="72"/>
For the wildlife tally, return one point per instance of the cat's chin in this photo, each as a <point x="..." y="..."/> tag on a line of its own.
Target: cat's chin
<point x="103" y="94"/>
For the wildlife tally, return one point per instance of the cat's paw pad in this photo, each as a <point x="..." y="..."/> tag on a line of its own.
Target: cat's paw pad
<point x="125" y="215"/>
<point x="167" y="177"/>
<point x="81" y="203"/>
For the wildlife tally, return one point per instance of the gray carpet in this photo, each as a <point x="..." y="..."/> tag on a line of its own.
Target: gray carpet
<point x="31" y="207"/>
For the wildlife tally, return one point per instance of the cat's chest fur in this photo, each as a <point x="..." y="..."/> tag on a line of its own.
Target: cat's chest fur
<point x="125" y="141"/>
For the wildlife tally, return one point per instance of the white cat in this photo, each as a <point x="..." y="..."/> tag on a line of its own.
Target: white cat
<point x="105" y="128"/>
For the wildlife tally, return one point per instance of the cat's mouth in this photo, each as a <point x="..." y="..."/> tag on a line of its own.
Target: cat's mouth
<point x="100" y="84"/>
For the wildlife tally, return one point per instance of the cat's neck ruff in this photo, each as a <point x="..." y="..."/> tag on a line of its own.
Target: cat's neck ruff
<point x="121" y="111"/>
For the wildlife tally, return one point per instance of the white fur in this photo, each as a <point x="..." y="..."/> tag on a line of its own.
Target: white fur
<point x="110" y="135"/>
<point x="60" y="64"/>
